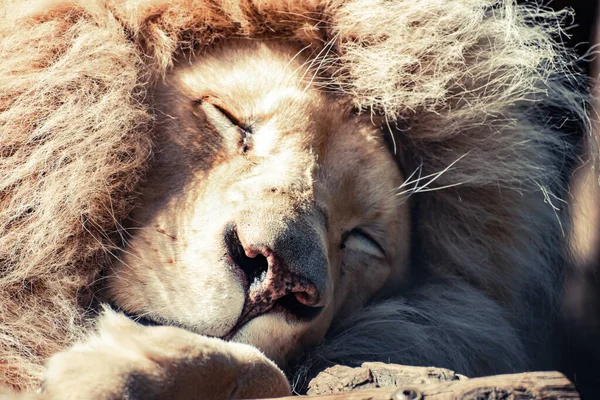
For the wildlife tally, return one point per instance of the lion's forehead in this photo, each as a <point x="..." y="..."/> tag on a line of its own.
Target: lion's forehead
<point x="301" y="136"/>
<point x="256" y="79"/>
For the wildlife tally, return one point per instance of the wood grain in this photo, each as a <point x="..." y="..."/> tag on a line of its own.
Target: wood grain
<point x="377" y="381"/>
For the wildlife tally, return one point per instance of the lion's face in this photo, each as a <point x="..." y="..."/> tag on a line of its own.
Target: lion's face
<point x="271" y="209"/>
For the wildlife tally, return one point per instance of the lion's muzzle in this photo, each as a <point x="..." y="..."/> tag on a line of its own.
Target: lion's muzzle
<point x="284" y="268"/>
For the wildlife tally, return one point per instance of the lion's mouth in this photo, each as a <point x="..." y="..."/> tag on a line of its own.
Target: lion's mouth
<point x="289" y="306"/>
<point x="139" y="318"/>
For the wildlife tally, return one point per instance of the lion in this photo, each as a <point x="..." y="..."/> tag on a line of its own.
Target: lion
<point x="220" y="199"/>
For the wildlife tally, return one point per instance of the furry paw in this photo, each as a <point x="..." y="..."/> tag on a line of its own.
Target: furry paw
<point x="128" y="360"/>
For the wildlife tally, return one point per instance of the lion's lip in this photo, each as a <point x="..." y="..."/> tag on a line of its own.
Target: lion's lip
<point x="293" y="311"/>
<point x="141" y="318"/>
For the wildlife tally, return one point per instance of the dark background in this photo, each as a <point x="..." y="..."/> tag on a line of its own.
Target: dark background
<point x="580" y="343"/>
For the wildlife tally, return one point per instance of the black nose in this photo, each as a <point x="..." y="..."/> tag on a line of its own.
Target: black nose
<point x="255" y="268"/>
<point x="272" y="280"/>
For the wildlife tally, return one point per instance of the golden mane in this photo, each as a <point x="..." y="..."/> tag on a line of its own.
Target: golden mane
<point x="467" y="85"/>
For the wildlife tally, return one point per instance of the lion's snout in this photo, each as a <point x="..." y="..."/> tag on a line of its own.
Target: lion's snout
<point x="284" y="268"/>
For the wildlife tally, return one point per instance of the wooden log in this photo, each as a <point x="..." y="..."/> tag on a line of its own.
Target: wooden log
<point x="377" y="381"/>
<point x="372" y="375"/>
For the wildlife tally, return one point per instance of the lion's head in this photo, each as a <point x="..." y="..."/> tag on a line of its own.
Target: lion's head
<point x="271" y="208"/>
<point x="272" y="205"/>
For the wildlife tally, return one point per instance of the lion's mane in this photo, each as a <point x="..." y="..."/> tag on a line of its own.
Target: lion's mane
<point x="465" y="86"/>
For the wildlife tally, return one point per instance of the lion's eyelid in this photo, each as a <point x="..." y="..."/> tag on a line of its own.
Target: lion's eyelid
<point x="235" y="121"/>
<point x="363" y="242"/>
<point x="206" y="100"/>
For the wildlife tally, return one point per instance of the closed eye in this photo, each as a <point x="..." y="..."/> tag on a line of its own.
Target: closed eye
<point x="206" y="102"/>
<point x="359" y="240"/>
<point x="226" y="123"/>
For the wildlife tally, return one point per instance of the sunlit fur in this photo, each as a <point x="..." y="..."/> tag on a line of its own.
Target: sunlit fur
<point x="476" y="98"/>
<point x="303" y="156"/>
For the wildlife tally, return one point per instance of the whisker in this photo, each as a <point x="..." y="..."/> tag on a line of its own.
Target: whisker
<point x="438" y="187"/>
<point x="548" y="199"/>
<point x="387" y="122"/>
<point x="328" y="47"/>
<point x="425" y="187"/>
<point x="296" y="56"/>
<point x="325" y="49"/>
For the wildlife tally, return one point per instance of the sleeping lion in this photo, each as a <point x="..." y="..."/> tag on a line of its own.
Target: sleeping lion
<point x="205" y="199"/>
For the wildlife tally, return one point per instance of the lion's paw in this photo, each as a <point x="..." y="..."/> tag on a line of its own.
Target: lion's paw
<point x="127" y="360"/>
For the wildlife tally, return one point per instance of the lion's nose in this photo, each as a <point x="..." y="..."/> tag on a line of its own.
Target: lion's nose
<point x="274" y="278"/>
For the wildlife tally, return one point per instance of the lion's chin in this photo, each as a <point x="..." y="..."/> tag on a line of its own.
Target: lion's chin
<point x="279" y="335"/>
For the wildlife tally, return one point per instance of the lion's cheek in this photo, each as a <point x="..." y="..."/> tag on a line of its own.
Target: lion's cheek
<point x="206" y="298"/>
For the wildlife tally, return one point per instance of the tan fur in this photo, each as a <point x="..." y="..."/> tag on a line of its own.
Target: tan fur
<point x="465" y="87"/>
<point x="193" y="365"/>
<point x="172" y="268"/>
